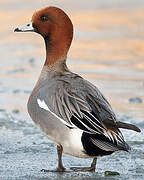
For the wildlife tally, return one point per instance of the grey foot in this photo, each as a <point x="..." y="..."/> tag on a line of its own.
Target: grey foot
<point x="83" y="169"/>
<point x="55" y="170"/>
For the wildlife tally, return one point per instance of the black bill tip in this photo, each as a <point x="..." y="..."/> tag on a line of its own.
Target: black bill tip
<point x="17" y="30"/>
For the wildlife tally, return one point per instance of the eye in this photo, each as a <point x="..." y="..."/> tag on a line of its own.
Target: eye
<point x="44" y="18"/>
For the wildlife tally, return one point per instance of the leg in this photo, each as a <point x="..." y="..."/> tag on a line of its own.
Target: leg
<point x="93" y="164"/>
<point x="60" y="165"/>
<point x="91" y="168"/>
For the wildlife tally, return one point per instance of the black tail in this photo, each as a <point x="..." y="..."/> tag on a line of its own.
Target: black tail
<point x="127" y="126"/>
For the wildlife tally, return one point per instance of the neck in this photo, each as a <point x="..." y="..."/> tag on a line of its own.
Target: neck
<point x="55" y="62"/>
<point x="56" y="52"/>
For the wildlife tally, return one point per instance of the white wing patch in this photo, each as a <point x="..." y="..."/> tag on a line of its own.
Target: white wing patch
<point x="44" y="106"/>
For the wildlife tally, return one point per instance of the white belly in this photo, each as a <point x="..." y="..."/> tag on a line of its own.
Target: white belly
<point x="73" y="145"/>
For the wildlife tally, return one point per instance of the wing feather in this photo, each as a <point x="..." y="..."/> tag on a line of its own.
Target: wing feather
<point x="106" y="146"/>
<point x="82" y="105"/>
<point x="96" y="126"/>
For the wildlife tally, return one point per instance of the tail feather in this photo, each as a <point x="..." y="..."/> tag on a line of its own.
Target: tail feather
<point x="127" y="126"/>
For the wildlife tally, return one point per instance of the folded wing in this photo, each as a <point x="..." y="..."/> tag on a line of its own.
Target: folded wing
<point x="81" y="105"/>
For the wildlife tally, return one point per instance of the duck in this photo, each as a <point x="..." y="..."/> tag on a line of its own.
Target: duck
<point x="69" y="110"/>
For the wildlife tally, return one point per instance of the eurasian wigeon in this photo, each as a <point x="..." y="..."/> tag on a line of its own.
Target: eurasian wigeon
<point x="68" y="109"/>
